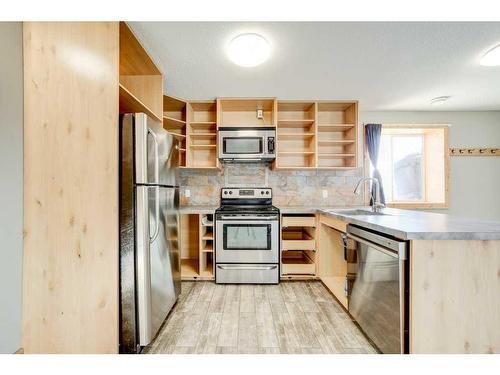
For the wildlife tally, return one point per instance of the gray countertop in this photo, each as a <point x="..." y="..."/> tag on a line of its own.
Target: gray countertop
<point x="197" y="209"/>
<point x="421" y="225"/>
<point x="404" y="224"/>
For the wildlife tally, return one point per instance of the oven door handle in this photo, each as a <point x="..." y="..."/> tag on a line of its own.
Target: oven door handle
<point x="267" y="218"/>
<point x="242" y="267"/>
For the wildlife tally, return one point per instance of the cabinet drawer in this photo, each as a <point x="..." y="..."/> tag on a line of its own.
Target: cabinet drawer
<point x="298" y="221"/>
<point x="298" y="269"/>
<point x="298" y="245"/>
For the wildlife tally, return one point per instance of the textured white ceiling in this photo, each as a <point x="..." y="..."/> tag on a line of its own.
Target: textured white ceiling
<point x="387" y="66"/>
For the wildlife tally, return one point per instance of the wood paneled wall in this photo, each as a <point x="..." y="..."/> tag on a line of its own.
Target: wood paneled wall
<point x="70" y="283"/>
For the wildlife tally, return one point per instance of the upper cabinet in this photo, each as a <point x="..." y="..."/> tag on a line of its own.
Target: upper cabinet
<point x="242" y="112"/>
<point x="141" y="82"/>
<point x="296" y="135"/>
<point x="201" y="132"/>
<point x="317" y="135"/>
<point x="309" y="134"/>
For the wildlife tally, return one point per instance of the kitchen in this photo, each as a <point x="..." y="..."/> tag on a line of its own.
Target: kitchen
<point x="183" y="216"/>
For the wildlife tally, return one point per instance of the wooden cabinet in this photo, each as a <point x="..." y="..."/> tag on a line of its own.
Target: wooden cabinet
<point x="140" y="82"/>
<point x="309" y="134"/>
<point x="242" y="112"/>
<point x="296" y="135"/>
<point x="195" y="124"/>
<point x="317" y="134"/>
<point x="197" y="246"/>
<point x="298" y="245"/>
<point x="174" y="121"/>
<point x="336" y="265"/>
<point x="201" y="143"/>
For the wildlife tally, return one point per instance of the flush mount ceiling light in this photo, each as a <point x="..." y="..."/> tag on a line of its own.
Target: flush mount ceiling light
<point x="492" y="57"/>
<point x="440" y="100"/>
<point x="249" y="50"/>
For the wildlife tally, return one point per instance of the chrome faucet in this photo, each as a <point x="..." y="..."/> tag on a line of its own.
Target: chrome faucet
<point x="377" y="205"/>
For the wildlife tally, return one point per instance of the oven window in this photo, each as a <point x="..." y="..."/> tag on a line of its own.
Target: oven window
<point x="247" y="236"/>
<point x="242" y="145"/>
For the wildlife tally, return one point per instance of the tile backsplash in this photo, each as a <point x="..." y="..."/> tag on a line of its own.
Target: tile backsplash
<point x="290" y="188"/>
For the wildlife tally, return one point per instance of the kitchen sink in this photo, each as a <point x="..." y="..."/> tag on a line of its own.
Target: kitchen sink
<point x="357" y="212"/>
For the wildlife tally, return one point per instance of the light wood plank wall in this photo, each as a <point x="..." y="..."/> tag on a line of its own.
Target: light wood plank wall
<point x="70" y="286"/>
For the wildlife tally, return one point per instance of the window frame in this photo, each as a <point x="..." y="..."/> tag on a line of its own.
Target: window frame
<point x="446" y="156"/>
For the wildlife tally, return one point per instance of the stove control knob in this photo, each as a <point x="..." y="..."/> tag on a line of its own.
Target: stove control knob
<point x="267" y="192"/>
<point x="230" y="192"/>
<point x="262" y="192"/>
<point x="225" y="193"/>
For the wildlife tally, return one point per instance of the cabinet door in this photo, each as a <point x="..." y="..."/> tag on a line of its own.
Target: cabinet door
<point x="332" y="268"/>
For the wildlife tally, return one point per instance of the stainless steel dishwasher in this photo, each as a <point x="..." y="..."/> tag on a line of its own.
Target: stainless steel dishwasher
<point x="379" y="295"/>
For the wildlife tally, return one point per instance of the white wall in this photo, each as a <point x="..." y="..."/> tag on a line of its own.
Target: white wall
<point x="474" y="181"/>
<point x="11" y="185"/>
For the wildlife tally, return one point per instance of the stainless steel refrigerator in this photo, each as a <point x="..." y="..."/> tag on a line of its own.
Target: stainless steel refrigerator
<point x="149" y="229"/>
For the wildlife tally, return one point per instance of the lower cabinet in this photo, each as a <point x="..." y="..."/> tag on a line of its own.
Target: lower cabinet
<point x="197" y="246"/>
<point x="298" y="246"/>
<point x="337" y="258"/>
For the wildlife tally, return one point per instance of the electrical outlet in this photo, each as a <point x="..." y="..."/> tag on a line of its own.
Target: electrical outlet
<point x="187" y="193"/>
<point x="260" y="114"/>
<point x="325" y="193"/>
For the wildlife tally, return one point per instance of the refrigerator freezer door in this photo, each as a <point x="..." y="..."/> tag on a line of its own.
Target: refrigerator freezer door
<point x="155" y="268"/>
<point x="157" y="153"/>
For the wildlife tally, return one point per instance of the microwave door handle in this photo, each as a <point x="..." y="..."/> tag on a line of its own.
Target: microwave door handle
<point x="157" y="162"/>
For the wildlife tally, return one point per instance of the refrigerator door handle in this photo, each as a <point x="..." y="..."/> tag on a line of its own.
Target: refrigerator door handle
<point x="157" y="163"/>
<point x="157" y="214"/>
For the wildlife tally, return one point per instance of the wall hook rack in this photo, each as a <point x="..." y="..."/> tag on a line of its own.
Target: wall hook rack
<point x="474" y="151"/>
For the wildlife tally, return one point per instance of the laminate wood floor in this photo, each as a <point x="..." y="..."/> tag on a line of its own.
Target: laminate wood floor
<point x="294" y="317"/>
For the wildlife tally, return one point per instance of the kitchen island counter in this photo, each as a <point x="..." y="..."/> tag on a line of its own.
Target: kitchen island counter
<point x="420" y="225"/>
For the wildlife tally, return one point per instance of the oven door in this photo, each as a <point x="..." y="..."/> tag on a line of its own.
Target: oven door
<point x="247" y="241"/>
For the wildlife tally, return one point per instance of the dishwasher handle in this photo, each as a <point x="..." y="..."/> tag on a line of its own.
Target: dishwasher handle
<point x="400" y="254"/>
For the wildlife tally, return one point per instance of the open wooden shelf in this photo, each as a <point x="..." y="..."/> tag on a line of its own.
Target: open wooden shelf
<point x="202" y="123"/>
<point x="189" y="268"/>
<point x="208" y="248"/>
<point x="296" y="135"/>
<point x="201" y="134"/>
<point x="202" y="146"/>
<point x="242" y="112"/>
<point x="299" y="263"/>
<point x="334" y="127"/>
<point x="316" y="134"/>
<point x="298" y="244"/>
<point x="174" y="121"/>
<point x="197" y="247"/>
<point x="129" y="103"/>
<point x="206" y="245"/>
<point x="284" y="136"/>
<point x="296" y="123"/>
<point x="180" y="136"/>
<point x="141" y="82"/>
<point x="296" y="152"/>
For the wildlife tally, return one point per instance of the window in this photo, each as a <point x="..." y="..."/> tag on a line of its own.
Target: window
<point x="413" y="163"/>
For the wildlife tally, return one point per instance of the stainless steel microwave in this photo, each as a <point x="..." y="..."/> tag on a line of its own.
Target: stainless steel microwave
<point x="246" y="144"/>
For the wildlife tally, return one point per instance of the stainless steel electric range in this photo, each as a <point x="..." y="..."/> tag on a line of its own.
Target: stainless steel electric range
<point x="247" y="237"/>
